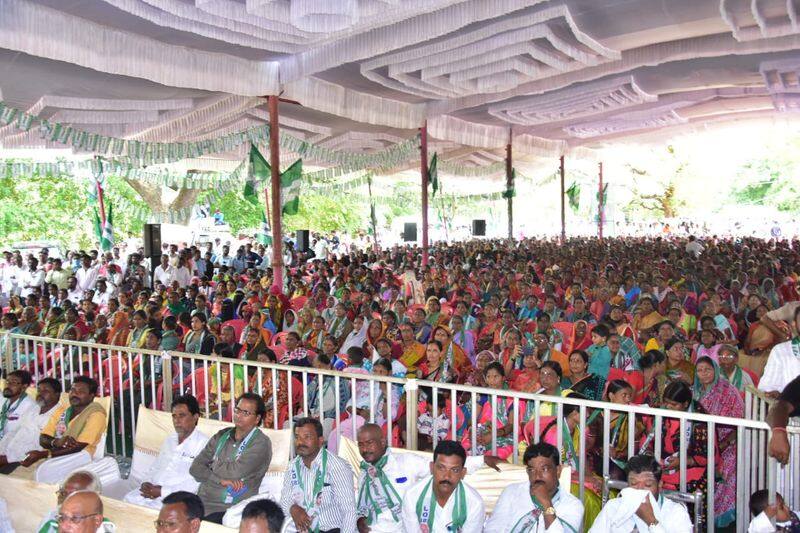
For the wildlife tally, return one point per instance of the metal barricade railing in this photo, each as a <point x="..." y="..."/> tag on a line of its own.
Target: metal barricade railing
<point x="135" y="376"/>
<point x="757" y="404"/>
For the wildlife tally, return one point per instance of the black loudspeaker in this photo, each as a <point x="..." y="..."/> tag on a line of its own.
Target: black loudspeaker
<point x="152" y="241"/>
<point x="410" y="232"/>
<point x="479" y="228"/>
<point x="301" y="240"/>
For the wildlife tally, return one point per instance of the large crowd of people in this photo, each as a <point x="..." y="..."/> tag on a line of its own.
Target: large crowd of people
<point x="680" y="324"/>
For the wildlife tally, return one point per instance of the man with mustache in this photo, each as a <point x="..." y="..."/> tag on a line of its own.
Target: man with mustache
<point x="77" y="426"/>
<point x="385" y="477"/>
<point x="16" y="404"/>
<point x="538" y="504"/>
<point x="23" y="444"/>
<point x="442" y="501"/>
<point x="318" y="486"/>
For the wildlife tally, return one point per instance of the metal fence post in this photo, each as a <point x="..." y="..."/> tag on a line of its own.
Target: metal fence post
<point x="412" y="399"/>
<point x="166" y="382"/>
<point x="8" y="354"/>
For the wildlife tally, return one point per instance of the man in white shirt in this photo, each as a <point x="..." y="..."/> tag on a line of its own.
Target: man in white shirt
<point x="537" y="504"/>
<point x="694" y="247"/>
<point x="102" y="294"/>
<point x="16" y="404"/>
<point x="15" y="446"/>
<point x="641" y="507"/>
<point x="87" y="274"/>
<point x="164" y="272"/>
<point x="181" y="273"/>
<point x="317" y="489"/>
<point x="170" y="471"/>
<point x="32" y="278"/>
<point x="442" y="501"/>
<point x="321" y="249"/>
<point x="783" y="363"/>
<point x="74" y="293"/>
<point x="385" y="477"/>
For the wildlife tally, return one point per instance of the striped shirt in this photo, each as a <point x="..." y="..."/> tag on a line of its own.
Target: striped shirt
<point x="337" y="509"/>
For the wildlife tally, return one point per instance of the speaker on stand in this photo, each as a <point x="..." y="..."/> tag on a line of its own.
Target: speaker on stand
<point x="302" y="243"/>
<point x="152" y="246"/>
<point x="410" y="232"/>
<point x="479" y="228"/>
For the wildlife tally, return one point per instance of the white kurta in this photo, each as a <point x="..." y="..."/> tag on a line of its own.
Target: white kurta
<point x="619" y="514"/>
<point x="25" y="438"/>
<point x="16" y="414"/>
<point x="443" y="516"/>
<point x="762" y="524"/>
<point x="515" y="502"/>
<point x="782" y="367"/>
<point x="170" y="471"/>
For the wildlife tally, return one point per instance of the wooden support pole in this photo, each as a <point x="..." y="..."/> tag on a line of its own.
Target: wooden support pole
<point x="600" y="203"/>
<point x="275" y="186"/>
<point x="510" y="187"/>
<point x="563" y="211"/>
<point x="423" y="152"/>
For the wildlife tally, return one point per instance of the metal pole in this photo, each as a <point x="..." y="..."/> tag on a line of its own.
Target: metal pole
<point x="274" y="161"/>
<point x="423" y="152"/>
<point x="101" y="202"/>
<point x="563" y="212"/>
<point x="510" y="187"/>
<point x="412" y="397"/>
<point x="600" y="203"/>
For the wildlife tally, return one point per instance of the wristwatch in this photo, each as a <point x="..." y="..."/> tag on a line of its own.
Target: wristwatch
<point x="550" y="511"/>
<point x="653" y="526"/>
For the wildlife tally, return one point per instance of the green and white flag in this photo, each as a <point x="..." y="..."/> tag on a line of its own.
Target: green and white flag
<point x="433" y="174"/>
<point x="107" y="238"/>
<point x="265" y="236"/>
<point x="259" y="173"/>
<point x="98" y="228"/>
<point x="291" y="180"/>
<point x="574" y="196"/>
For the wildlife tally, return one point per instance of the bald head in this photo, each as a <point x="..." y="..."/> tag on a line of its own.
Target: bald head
<point x="371" y="442"/>
<point x="81" y="512"/>
<point x="80" y="480"/>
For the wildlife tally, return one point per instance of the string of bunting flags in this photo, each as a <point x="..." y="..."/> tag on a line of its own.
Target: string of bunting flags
<point x="143" y="153"/>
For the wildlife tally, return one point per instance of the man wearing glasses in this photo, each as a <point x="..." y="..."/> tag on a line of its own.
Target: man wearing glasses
<point x="181" y="513"/>
<point x="233" y="463"/>
<point x="537" y="504"/>
<point x="170" y="471"/>
<point x="80" y="481"/>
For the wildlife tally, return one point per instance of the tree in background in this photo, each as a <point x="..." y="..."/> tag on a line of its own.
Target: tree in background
<point x="659" y="185"/>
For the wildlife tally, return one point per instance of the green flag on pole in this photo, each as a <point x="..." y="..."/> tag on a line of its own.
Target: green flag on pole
<point x="259" y="173"/>
<point x="265" y="236"/>
<point x="107" y="238"/>
<point x="98" y="229"/>
<point x="290" y="188"/>
<point x="433" y="174"/>
<point x="574" y="196"/>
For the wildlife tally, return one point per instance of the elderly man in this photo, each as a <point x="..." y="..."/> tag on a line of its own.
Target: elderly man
<point x="318" y="486"/>
<point x="82" y="512"/>
<point x="182" y="512"/>
<point x="82" y="480"/>
<point x="385" y="477"/>
<point x="641" y="507"/>
<point x="442" y="501"/>
<point x="233" y="463"/>
<point x="170" y="472"/>
<point x="537" y="504"/>
<point x="22" y="445"/>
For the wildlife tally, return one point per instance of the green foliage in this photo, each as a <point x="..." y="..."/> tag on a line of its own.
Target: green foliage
<point x="770" y="181"/>
<point x="317" y="212"/>
<point x="56" y="208"/>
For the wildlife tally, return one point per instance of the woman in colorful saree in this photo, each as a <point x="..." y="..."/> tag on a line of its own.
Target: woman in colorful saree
<point x="463" y="337"/>
<point x="433" y="312"/>
<point x="719" y="397"/>
<point x="653" y="365"/>
<point x="502" y="419"/>
<point x="678" y="397"/>
<point x="527" y="379"/>
<point x="620" y="392"/>
<point x="580" y="379"/>
<point x="253" y="345"/>
<point x="728" y="357"/>
<point x="475" y="376"/>
<point x="435" y="367"/>
<point x="678" y="368"/>
<point x="579" y="338"/>
<point x="453" y="354"/>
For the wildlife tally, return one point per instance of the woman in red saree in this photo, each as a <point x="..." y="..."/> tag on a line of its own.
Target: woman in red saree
<point x="452" y="352"/>
<point x="579" y="337"/>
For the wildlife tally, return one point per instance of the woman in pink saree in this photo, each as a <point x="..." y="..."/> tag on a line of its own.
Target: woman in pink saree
<point x="718" y="397"/>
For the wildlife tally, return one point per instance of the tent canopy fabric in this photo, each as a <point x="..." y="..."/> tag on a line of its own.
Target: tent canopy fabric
<point x="557" y="77"/>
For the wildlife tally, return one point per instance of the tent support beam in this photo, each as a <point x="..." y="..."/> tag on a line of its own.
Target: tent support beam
<point x="275" y="186"/>
<point x="563" y="212"/>
<point x="600" y="206"/>
<point x="510" y="187"/>
<point x="423" y="152"/>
